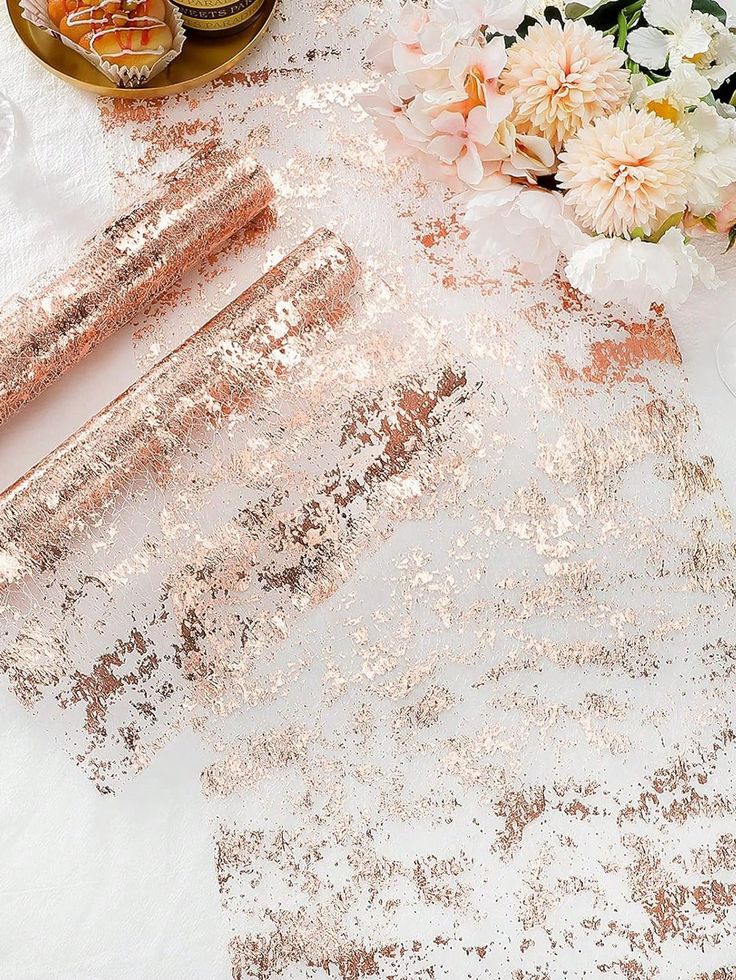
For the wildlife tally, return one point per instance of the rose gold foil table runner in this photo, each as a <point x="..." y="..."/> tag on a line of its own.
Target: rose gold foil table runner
<point x="214" y="372"/>
<point x="137" y="257"/>
<point x="168" y="592"/>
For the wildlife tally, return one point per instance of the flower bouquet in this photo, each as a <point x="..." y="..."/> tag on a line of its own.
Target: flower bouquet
<point x="603" y="133"/>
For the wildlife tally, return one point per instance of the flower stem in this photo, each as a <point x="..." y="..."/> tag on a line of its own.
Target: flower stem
<point x="623" y="30"/>
<point x="633" y="8"/>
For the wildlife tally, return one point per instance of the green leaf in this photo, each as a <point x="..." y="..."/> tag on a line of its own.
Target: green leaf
<point x="623" y="30"/>
<point x="672" y="222"/>
<point x="731" y="239"/>
<point x="712" y="8"/>
<point x="577" y="11"/>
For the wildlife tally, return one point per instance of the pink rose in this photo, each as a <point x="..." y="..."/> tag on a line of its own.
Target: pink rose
<point x="726" y="217"/>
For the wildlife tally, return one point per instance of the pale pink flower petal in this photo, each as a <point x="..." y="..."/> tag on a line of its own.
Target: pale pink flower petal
<point x="409" y="131"/>
<point x="447" y="148"/>
<point x="380" y="53"/>
<point x="485" y="62"/>
<point x="450" y="122"/>
<point x="494" y="57"/>
<point x="407" y="58"/>
<point x="411" y="21"/>
<point x="499" y="107"/>
<point x="479" y="128"/>
<point x="421" y="113"/>
<point x="470" y="165"/>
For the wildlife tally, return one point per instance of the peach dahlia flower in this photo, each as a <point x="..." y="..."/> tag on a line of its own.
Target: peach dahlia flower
<point x="627" y="171"/>
<point x="562" y="78"/>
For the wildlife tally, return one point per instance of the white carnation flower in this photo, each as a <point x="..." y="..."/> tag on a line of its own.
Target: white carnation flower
<point x="638" y="273"/>
<point x="514" y="224"/>
<point x="499" y="16"/>
<point x="714" y="165"/>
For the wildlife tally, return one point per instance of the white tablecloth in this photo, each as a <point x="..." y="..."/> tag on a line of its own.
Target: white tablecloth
<point x="573" y="805"/>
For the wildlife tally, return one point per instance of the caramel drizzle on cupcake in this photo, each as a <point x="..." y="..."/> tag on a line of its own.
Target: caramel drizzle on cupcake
<point x="124" y="37"/>
<point x="85" y="15"/>
<point x="124" y="19"/>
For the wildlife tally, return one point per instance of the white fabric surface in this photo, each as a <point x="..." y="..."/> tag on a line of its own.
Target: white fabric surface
<point x="124" y="887"/>
<point x="83" y="877"/>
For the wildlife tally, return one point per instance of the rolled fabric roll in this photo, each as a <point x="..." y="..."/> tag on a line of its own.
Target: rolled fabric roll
<point x="215" y="371"/>
<point x="136" y="258"/>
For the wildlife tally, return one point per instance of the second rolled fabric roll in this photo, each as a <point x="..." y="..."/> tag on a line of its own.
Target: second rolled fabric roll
<point x="137" y="257"/>
<point x="218" y="369"/>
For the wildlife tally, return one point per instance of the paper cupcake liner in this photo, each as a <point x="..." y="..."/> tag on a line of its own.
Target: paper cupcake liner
<point x="36" y="12"/>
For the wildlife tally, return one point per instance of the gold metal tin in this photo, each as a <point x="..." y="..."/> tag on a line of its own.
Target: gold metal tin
<point x="215" y="16"/>
<point x="202" y="59"/>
